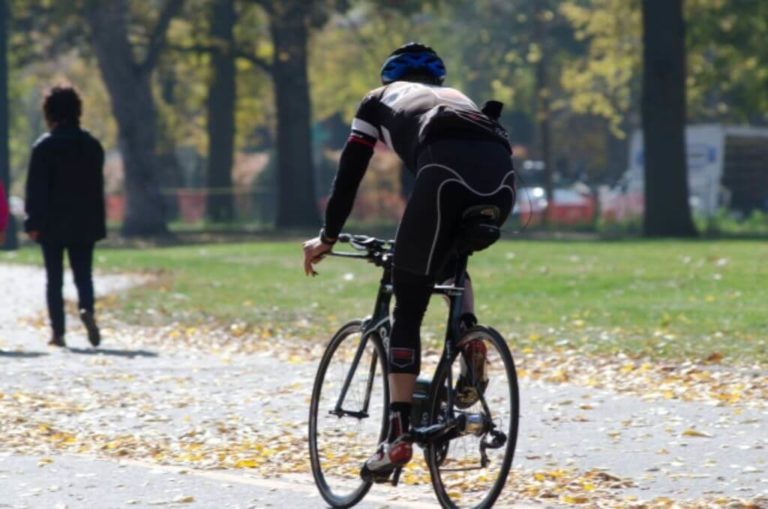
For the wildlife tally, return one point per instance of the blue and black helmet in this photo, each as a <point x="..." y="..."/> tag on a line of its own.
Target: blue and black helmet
<point x="413" y="62"/>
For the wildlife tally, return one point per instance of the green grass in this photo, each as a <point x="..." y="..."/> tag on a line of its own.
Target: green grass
<point x="666" y="299"/>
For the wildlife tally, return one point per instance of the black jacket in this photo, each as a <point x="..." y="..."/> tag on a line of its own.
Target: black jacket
<point x="65" y="187"/>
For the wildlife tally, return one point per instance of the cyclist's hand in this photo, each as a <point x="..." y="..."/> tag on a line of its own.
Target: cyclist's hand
<point x="314" y="251"/>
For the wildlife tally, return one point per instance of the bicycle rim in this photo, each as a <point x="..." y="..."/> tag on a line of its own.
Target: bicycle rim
<point x="339" y="444"/>
<point x="459" y="478"/>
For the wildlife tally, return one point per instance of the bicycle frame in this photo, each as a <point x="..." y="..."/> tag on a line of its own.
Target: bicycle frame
<point x="378" y="323"/>
<point x="455" y="294"/>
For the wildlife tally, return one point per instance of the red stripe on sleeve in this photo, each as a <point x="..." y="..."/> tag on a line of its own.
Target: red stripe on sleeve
<point x="357" y="139"/>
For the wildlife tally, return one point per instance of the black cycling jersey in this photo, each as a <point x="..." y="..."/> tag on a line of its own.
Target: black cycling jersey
<point x="406" y="116"/>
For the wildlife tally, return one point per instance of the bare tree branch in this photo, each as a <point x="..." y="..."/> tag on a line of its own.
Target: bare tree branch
<point x="158" y="38"/>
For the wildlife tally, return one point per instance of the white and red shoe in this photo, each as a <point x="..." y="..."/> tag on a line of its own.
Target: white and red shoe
<point x="473" y="378"/>
<point x="387" y="458"/>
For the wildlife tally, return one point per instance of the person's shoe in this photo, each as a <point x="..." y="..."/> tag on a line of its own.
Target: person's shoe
<point x="387" y="458"/>
<point x="57" y="340"/>
<point x="94" y="336"/>
<point x="473" y="378"/>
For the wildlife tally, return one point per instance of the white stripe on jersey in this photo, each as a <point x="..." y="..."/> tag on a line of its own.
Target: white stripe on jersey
<point x="365" y="128"/>
<point x="387" y="137"/>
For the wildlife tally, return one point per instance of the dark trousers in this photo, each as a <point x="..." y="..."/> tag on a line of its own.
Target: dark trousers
<point x="81" y="261"/>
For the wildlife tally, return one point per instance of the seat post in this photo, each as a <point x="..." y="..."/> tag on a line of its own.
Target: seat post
<point x="457" y="301"/>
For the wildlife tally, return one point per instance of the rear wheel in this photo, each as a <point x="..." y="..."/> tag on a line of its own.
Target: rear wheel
<point x="344" y="432"/>
<point x="470" y="470"/>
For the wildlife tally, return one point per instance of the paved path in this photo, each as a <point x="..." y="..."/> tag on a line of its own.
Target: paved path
<point x="87" y="415"/>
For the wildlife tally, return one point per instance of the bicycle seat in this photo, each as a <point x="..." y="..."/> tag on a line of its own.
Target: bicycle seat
<point x="478" y="229"/>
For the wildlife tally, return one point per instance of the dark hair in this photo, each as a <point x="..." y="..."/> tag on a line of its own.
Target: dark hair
<point x="62" y="104"/>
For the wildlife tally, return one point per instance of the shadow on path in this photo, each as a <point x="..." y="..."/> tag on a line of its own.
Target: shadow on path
<point x="22" y="355"/>
<point x="130" y="354"/>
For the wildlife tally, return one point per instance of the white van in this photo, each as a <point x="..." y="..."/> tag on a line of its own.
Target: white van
<point x="727" y="167"/>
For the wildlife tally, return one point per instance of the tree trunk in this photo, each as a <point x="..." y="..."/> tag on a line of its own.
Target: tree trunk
<point x="667" y="212"/>
<point x="543" y="108"/>
<point x="5" y="172"/>
<point x="545" y="144"/>
<point x="129" y="86"/>
<point x="297" y="206"/>
<point x="221" y="111"/>
<point x="171" y="172"/>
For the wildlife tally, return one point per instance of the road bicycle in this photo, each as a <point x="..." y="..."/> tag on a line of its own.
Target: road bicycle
<point x="468" y="445"/>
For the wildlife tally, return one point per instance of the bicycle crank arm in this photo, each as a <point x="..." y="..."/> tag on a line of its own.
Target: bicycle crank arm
<point x="434" y="433"/>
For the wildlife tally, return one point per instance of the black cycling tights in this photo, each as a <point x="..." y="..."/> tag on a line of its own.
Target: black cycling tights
<point x="453" y="176"/>
<point x="412" y="293"/>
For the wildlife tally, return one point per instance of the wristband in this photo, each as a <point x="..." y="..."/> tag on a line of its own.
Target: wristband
<point x="325" y="239"/>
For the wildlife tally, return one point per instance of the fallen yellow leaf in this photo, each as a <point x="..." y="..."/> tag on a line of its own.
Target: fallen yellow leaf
<point x="574" y="499"/>
<point x="695" y="433"/>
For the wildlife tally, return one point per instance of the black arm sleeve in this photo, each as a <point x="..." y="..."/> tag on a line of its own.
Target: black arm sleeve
<point x="36" y="204"/>
<point x="102" y="208"/>
<point x="352" y="166"/>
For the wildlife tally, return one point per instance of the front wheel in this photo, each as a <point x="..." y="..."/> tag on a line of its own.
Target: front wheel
<point x="347" y="416"/>
<point x="470" y="468"/>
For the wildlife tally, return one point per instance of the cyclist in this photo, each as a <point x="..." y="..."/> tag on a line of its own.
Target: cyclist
<point x="461" y="157"/>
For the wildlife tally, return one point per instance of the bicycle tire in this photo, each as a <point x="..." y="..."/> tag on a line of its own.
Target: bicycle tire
<point x="435" y="454"/>
<point x="357" y="487"/>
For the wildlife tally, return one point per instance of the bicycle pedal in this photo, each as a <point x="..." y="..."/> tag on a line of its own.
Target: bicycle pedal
<point x="396" y="476"/>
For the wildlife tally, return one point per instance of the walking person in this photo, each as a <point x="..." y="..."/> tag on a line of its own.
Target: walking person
<point x="65" y="206"/>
